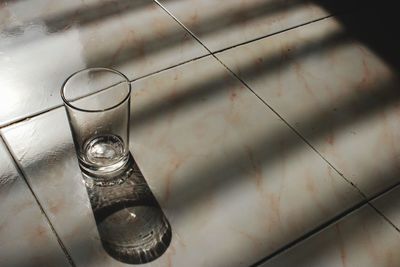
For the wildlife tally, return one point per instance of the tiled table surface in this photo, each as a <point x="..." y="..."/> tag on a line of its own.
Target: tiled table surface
<point x="272" y="138"/>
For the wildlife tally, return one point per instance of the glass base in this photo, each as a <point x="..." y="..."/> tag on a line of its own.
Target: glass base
<point x="107" y="176"/>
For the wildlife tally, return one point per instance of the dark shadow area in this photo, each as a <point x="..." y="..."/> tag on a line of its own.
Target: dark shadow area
<point x="376" y="26"/>
<point x="132" y="227"/>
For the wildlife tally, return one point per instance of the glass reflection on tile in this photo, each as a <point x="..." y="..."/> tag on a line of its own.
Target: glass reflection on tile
<point x="22" y="223"/>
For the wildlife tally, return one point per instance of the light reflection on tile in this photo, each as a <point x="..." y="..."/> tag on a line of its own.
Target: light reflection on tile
<point x="335" y="91"/>
<point x="41" y="47"/>
<point x="26" y="238"/>
<point x="362" y="238"/>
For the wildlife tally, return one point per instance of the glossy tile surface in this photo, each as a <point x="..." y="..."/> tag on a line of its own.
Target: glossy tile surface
<point x="339" y="94"/>
<point x="26" y="238"/>
<point x="222" y="24"/>
<point x="231" y="177"/>
<point x="48" y="158"/>
<point x="42" y="42"/>
<point x="389" y="205"/>
<point x="362" y="238"/>
<point x="217" y="160"/>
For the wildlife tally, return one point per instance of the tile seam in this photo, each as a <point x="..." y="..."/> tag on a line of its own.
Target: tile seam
<point x="47" y="219"/>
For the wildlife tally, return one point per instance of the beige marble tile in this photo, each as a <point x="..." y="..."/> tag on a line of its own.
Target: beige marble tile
<point x="222" y="24"/>
<point x="42" y="42"/>
<point x="335" y="91"/>
<point x="363" y="238"/>
<point x="26" y="238"/>
<point x="44" y="148"/>
<point x="389" y="205"/>
<point x="230" y="176"/>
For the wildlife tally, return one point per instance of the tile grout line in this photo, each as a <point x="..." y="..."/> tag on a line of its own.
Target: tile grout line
<point x="379" y="194"/>
<point x="365" y="199"/>
<point x="240" y="43"/>
<point x="31" y="116"/>
<point x="210" y="53"/>
<point x="384" y="216"/>
<point x="384" y="191"/>
<point x="329" y="223"/>
<point x="262" y="100"/>
<point x="35" y="114"/>
<point x="311" y="233"/>
<point x="272" y="34"/>
<point x="23" y="175"/>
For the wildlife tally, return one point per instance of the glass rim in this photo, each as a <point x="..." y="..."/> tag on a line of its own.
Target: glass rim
<point x="69" y="104"/>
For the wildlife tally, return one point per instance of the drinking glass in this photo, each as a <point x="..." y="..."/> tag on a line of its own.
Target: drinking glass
<point x="131" y="225"/>
<point x="97" y="103"/>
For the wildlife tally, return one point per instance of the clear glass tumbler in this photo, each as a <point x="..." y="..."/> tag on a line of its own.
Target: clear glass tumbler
<point x="131" y="224"/>
<point x="97" y="103"/>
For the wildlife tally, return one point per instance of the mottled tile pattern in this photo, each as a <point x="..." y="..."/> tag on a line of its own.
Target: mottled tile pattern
<point x="26" y="238"/>
<point x="363" y="238"/>
<point x="335" y="91"/>
<point x="208" y="147"/>
<point x="222" y="24"/>
<point x="389" y="205"/>
<point x="230" y="175"/>
<point x="42" y="42"/>
<point x="235" y="182"/>
<point x="48" y="158"/>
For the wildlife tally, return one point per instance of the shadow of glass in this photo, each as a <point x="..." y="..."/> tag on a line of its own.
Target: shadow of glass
<point x="132" y="227"/>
